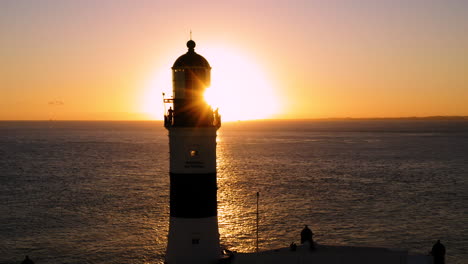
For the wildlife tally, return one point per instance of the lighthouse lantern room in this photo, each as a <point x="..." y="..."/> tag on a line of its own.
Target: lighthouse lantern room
<point x="192" y="125"/>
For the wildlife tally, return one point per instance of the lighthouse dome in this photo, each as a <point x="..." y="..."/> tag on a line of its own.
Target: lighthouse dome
<point x="191" y="58"/>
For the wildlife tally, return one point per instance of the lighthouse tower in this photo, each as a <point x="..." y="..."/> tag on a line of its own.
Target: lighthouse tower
<point x="192" y="125"/>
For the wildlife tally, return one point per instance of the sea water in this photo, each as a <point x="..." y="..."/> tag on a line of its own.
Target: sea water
<point x="98" y="192"/>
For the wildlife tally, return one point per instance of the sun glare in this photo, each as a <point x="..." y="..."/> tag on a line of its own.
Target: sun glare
<point x="151" y="101"/>
<point x="239" y="88"/>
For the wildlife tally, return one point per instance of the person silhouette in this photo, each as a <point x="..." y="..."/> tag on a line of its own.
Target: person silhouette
<point x="27" y="260"/>
<point x="170" y="115"/>
<point x="217" y="117"/>
<point x="210" y="116"/>
<point x="306" y="235"/>
<point x="438" y="253"/>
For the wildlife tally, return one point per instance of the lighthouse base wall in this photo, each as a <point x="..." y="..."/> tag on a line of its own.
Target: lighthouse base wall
<point x="193" y="240"/>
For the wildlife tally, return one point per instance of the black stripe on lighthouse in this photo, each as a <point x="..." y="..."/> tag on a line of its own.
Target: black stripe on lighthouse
<point x="193" y="195"/>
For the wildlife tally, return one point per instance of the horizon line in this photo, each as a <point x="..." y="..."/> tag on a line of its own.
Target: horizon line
<point x="250" y="120"/>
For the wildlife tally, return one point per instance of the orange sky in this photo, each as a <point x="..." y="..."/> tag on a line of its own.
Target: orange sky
<point x="103" y="60"/>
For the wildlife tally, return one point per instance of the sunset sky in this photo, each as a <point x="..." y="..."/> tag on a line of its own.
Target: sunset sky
<point x="111" y="60"/>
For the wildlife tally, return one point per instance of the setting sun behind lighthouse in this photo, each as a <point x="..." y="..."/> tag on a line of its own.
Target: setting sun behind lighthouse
<point x="239" y="87"/>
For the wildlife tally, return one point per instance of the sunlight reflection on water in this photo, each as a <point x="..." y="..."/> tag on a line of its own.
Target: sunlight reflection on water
<point x="378" y="192"/>
<point x="99" y="192"/>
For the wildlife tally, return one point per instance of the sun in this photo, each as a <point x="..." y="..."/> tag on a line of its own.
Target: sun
<point x="239" y="88"/>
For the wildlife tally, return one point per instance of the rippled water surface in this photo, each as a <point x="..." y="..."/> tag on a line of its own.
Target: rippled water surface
<point x="97" y="192"/>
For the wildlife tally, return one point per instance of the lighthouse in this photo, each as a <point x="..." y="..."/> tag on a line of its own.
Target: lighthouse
<point x="192" y="125"/>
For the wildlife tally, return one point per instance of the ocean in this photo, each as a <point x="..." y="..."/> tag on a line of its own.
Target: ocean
<point x="98" y="192"/>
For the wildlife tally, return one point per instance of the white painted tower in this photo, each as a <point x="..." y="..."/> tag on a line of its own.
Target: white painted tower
<point x="192" y="125"/>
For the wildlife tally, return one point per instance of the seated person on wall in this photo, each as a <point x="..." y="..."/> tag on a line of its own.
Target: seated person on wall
<point x="27" y="260"/>
<point x="438" y="253"/>
<point x="306" y="236"/>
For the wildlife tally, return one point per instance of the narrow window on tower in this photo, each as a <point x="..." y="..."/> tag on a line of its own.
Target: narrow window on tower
<point x="178" y="79"/>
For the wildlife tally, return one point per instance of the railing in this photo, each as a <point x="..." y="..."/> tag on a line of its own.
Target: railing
<point x="213" y="120"/>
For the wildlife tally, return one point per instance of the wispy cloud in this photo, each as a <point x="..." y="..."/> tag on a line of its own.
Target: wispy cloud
<point x="56" y="102"/>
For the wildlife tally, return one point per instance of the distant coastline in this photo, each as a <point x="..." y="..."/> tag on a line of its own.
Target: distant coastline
<point x="425" y="118"/>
